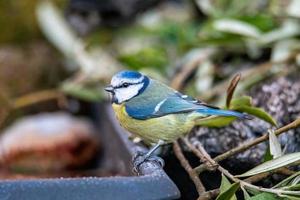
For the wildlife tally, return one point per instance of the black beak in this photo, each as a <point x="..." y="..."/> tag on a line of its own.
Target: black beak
<point x="109" y="88"/>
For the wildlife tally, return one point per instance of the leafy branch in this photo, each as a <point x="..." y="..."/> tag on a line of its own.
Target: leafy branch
<point x="233" y="178"/>
<point x="250" y="144"/>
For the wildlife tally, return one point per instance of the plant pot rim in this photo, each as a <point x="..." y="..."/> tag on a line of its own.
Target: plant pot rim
<point x="153" y="184"/>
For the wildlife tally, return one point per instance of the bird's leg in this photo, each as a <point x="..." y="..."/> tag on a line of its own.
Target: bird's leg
<point x="139" y="158"/>
<point x="156" y="146"/>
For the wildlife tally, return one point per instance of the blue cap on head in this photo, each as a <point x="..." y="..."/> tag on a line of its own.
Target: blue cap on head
<point x="128" y="74"/>
<point x="126" y="85"/>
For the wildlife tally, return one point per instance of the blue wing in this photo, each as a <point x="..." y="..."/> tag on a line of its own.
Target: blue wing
<point x="174" y="103"/>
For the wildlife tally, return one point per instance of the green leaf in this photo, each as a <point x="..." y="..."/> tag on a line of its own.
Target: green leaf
<point x="244" y="104"/>
<point x="229" y="193"/>
<point x="215" y="121"/>
<point x="290" y="197"/>
<point x="261" y="21"/>
<point x="268" y="155"/>
<point x="253" y="191"/>
<point x="258" y="112"/>
<point x="296" y="180"/>
<point x="273" y="164"/>
<point x="265" y="196"/>
<point x="274" y="145"/>
<point x="288" y="29"/>
<point x="240" y="101"/>
<point x="225" y="185"/>
<point x="293" y="187"/>
<point x="246" y="194"/>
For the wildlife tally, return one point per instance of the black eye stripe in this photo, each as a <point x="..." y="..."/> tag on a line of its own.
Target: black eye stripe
<point x="127" y="85"/>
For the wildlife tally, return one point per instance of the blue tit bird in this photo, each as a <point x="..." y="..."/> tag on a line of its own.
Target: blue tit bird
<point x="155" y="112"/>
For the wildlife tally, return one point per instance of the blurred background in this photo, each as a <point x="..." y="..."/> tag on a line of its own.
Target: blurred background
<point x="56" y="56"/>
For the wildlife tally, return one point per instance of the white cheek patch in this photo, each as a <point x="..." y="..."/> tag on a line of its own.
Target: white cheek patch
<point x="124" y="94"/>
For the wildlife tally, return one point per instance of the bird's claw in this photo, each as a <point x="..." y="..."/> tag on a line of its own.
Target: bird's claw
<point x="157" y="159"/>
<point x="141" y="157"/>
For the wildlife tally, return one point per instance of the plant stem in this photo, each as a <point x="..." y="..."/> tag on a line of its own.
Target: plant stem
<point x="209" y="194"/>
<point x="244" y="183"/>
<point x="210" y="164"/>
<point x="250" y="144"/>
<point x="258" y="177"/>
<point x="35" y="97"/>
<point x="185" y="164"/>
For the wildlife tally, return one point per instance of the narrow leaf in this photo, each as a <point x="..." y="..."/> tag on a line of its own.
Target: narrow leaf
<point x="288" y="29"/>
<point x="231" y="89"/>
<point x="275" y="147"/>
<point x="265" y="196"/>
<point x="228" y="194"/>
<point x="258" y="112"/>
<point x="215" y="121"/>
<point x="296" y="180"/>
<point x="253" y="191"/>
<point x="240" y="101"/>
<point x="273" y="164"/>
<point x="246" y="194"/>
<point x="290" y="197"/>
<point x="225" y="185"/>
<point x="236" y="27"/>
<point x="293" y="187"/>
<point x="268" y="155"/>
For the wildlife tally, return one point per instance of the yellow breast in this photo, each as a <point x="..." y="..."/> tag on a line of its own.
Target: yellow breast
<point x="167" y="128"/>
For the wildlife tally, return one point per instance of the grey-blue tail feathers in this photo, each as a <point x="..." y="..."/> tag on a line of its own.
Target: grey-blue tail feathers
<point x="219" y="112"/>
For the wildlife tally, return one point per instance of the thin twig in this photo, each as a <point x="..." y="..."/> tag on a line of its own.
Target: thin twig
<point x="35" y="97"/>
<point x="211" y="194"/>
<point x="200" y="153"/>
<point x="258" y="177"/>
<point x="249" y="185"/>
<point x="250" y="144"/>
<point x="185" y="164"/>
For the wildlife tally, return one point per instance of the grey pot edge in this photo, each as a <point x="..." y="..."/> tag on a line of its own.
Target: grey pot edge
<point x="153" y="184"/>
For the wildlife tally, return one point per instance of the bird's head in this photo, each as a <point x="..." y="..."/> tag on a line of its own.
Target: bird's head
<point x="127" y="84"/>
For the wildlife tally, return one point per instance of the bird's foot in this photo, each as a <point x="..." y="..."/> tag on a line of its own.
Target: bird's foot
<point x="140" y="157"/>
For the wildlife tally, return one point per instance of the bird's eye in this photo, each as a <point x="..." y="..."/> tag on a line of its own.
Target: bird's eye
<point x="125" y="85"/>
